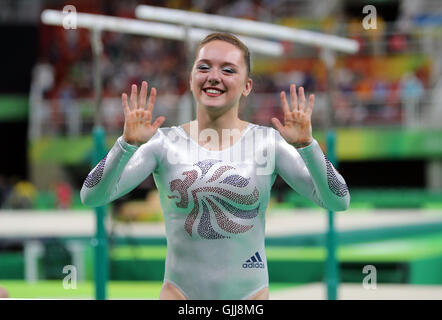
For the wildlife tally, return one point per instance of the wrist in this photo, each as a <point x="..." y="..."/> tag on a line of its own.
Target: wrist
<point x="131" y="142"/>
<point x="302" y="144"/>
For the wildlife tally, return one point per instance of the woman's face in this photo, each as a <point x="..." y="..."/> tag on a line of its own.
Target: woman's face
<point x="219" y="76"/>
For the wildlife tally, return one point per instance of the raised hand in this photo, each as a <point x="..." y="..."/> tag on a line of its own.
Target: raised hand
<point x="138" y="128"/>
<point x="297" y="128"/>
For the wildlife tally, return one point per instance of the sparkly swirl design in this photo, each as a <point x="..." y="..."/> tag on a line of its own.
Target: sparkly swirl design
<point x="95" y="176"/>
<point x="211" y="193"/>
<point x="337" y="187"/>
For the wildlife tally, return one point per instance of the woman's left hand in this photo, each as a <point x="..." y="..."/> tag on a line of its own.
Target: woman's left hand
<point x="297" y="128"/>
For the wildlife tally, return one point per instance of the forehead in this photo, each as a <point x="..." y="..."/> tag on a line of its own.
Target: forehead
<point x="222" y="52"/>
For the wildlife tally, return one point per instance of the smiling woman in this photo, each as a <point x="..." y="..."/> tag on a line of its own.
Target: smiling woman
<point x="215" y="189"/>
<point x="219" y="78"/>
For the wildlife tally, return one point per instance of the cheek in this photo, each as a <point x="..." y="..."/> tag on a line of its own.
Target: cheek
<point x="197" y="80"/>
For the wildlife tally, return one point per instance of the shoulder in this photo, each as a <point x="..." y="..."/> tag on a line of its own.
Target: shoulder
<point x="168" y="132"/>
<point x="257" y="127"/>
<point x="161" y="135"/>
<point x="265" y="131"/>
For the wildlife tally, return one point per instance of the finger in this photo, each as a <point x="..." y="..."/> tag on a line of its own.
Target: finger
<point x="301" y="99"/>
<point x="148" y="117"/>
<point x="311" y="102"/>
<point x="277" y="124"/>
<point x="145" y="117"/>
<point x="143" y="95"/>
<point x="133" y="97"/>
<point x="152" y="99"/>
<point x="126" y="108"/>
<point x="284" y="103"/>
<point x="158" y="122"/>
<point x="293" y="97"/>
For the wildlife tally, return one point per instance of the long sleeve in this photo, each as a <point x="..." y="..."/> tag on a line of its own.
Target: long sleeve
<point x="120" y="171"/>
<point x="308" y="171"/>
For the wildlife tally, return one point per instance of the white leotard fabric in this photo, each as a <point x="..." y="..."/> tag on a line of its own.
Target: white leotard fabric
<point x="214" y="202"/>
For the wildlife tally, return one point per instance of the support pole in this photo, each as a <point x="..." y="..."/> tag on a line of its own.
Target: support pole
<point x="332" y="264"/>
<point x="99" y="136"/>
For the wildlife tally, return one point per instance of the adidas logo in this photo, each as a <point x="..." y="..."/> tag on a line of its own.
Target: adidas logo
<point x="255" y="261"/>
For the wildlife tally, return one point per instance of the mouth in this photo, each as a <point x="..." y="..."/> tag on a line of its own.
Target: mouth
<point x="213" y="92"/>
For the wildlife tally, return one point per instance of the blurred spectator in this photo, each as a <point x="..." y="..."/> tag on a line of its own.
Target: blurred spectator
<point x="345" y="80"/>
<point x="411" y="91"/>
<point x="22" y="196"/>
<point x="64" y="195"/>
<point x="130" y="59"/>
<point x="397" y="43"/>
<point x="69" y="108"/>
<point x="411" y="87"/>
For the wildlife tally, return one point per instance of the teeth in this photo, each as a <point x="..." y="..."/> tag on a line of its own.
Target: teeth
<point x="213" y="91"/>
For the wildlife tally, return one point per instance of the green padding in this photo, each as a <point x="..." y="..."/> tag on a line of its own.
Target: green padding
<point x="385" y="272"/>
<point x="391" y="250"/>
<point x="375" y="198"/>
<point x="12" y="266"/>
<point x="86" y="290"/>
<point x="137" y="270"/>
<point x="426" y="271"/>
<point x="351" y="145"/>
<point x="415" y="260"/>
<point x="13" y="107"/>
<point x="138" y="252"/>
<point x="394" y="250"/>
<point x="295" y="271"/>
<point x="59" y="150"/>
<point x="295" y="253"/>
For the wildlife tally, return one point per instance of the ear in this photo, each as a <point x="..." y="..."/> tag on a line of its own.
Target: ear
<point x="248" y="88"/>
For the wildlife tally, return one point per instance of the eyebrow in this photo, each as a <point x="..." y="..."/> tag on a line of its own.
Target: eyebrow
<point x="223" y="64"/>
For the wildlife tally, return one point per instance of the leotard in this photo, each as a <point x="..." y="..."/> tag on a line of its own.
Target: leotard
<point x="214" y="201"/>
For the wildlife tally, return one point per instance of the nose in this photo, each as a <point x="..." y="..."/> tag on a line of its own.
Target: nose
<point x="213" y="77"/>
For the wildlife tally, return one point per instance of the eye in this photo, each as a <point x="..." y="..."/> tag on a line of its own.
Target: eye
<point x="203" y="67"/>
<point x="229" y="70"/>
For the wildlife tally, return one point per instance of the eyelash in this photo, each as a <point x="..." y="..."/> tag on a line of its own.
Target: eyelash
<point x="205" y="67"/>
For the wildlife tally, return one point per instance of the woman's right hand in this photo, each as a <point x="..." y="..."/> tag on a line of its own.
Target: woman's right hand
<point x="138" y="128"/>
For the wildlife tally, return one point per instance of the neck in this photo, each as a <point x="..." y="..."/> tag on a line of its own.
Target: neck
<point x="218" y="121"/>
<point x="226" y="120"/>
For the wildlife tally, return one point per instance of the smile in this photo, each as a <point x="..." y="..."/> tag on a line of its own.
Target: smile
<point x="211" y="92"/>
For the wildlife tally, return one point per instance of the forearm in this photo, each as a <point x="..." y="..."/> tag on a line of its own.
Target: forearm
<point x="101" y="185"/>
<point x="330" y="186"/>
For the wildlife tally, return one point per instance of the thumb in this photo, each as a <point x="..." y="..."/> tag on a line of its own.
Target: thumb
<point x="158" y="122"/>
<point x="277" y="124"/>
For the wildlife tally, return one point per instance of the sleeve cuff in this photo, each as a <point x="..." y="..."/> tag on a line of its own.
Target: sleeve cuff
<point x="308" y="152"/>
<point x="126" y="146"/>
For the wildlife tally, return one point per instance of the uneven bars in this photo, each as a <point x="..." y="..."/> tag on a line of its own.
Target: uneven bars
<point x="153" y="29"/>
<point x="248" y="27"/>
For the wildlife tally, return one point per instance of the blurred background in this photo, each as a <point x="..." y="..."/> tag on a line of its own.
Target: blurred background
<point x="386" y="107"/>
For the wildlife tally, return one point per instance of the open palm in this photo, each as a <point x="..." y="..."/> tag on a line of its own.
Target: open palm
<point x="297" y="128"/>
<point x="138" y="126"/>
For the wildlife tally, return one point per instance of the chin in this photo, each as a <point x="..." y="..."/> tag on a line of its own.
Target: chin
<point x="212" y="105"/>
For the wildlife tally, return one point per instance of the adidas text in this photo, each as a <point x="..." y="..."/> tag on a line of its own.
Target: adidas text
<point x="259" y="265"/>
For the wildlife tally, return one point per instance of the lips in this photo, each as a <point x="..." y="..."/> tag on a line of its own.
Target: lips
<point x="213" y="92"/>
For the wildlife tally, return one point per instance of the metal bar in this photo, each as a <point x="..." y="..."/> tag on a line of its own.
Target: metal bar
<point x="154" y="29"/>
<point x="249" y="27"/>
